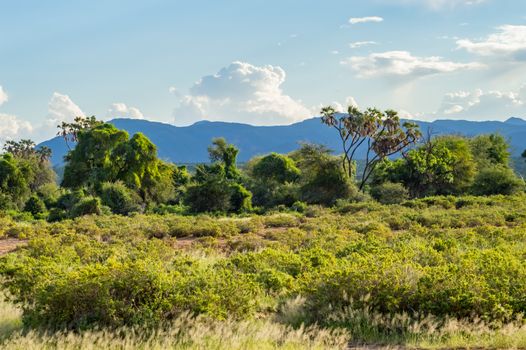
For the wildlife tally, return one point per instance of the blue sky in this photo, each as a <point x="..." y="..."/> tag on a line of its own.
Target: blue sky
<point x="258" y="62"/>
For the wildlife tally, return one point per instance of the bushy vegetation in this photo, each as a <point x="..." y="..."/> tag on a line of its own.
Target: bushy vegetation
<point x="425" y="249"/>
<point x="397" y="273"/>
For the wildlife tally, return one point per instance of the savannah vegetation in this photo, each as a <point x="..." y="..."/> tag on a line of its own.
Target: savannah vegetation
<point x="421" y="246"/>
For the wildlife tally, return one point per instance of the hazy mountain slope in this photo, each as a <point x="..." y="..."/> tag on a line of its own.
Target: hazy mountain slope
<point x="189" y="144"/>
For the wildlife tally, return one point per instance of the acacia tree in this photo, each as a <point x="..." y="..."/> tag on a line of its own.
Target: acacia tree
<point x="381" y="133"/>
<point x="26" y="149"/>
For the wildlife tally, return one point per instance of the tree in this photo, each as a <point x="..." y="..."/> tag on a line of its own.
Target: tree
<point x="217" y="187"/>
<point x="323" y="180"/>
<point x="70" y="131"/>
<point x="273" y="180"/>
<point x="276" y="167"/>
<point x="443" y="165"/>
<point x="24" y="148"/>
<point x="106" y="154"/>
<point x="226" y="154"/>
<point x="33" y="162"/>
<point x="489" y="150"/>
<point x="381" y="133"/>
<point x="91" y="162"/>
<point x="14" y="189"/>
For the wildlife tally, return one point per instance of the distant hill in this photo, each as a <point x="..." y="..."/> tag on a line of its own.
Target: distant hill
<point x="189" y="144"/>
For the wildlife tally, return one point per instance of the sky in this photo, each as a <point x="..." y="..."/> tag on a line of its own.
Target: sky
<point x="261" y="62"/>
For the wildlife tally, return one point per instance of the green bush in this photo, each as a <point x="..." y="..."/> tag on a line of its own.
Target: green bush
<point x="496" y="180"/>
<point x="85" y="284"/>
<point x="389" y="193"/>
<point x="86" y="206"/>
<point x="35" y="206"/>
<point x="120" y="199"/>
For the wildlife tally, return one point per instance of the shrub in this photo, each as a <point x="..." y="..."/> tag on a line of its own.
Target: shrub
<point x="240" y="198"/>
<point x="389" y="193"/>
<point x="142" y="285"/>
<point x="281" y="220"/>
<point x="86" y="206"/>
<point x="496" y="180"/>
<point x="120" y="199"/>
<point x="212" y="196"/>
<point x="35" y="206"/>
<point x="299" y="206"/>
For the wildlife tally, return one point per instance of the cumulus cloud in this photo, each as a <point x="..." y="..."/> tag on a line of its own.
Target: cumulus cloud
<point x="241" y="92"/>
<point x="12" y="127"/>
<point x="403" y="63"/>
<point x="62" y="108"/>
<point x="121" y="110"/>
<point x="3" y="96"/>
<point x="508" y="40"/>
<point x="371" y="19"/>
<point x="358" y="44"/>
<point x="349" y="101"/>
<point x="479" y="104"/>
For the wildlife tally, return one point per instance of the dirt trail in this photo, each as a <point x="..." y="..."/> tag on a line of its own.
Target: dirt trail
<point x="10" y="244"/>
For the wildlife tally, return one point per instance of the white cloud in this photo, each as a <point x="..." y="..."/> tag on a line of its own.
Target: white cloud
<point x="121" y="110"/>
<point x="371" y="19"/>
<point x="358" y="44"/>
<point x="339" y="107"/>
<point x="62" y="108"/>
<point x="3" y="96"/>
<point x="402" y="63"/>
<point x="12" y="128"/>
<point x="508" y="40"/>
<point x="241" y="92"/>
<point x="480" y="105"/>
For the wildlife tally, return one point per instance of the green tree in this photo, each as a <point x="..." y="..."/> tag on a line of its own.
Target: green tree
<point x="443" y="165"/>
<point x="106" y="154"/>
<point x="14" y="189"/>
<point x="92" y="161"/>
<point x="323" y="180"/>
<point x="226" y="154"/>
<point x="489" y="150"/>
<point x="381" y="133"/>
<point x="217" y="187"/>
<point x="273" y="180"/>
<point x="33" y="162"/>
<point x="70" y="131"/>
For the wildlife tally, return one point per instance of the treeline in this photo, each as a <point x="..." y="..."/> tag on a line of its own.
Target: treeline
<point x="109" y="172"/>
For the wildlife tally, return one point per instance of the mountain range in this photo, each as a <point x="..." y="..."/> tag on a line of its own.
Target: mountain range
<point x="189" y="144"/>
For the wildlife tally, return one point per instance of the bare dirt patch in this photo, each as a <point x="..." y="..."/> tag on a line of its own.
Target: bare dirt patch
<point x="10" y="244"/>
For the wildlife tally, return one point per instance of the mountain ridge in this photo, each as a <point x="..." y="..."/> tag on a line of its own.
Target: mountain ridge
<point x="188" y="144"/>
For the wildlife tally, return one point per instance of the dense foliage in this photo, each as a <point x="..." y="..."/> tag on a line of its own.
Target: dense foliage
<point x="441" y="256"/>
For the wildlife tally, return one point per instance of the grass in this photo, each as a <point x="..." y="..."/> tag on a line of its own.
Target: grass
<point x="359" y="329"/>
<point x="10" y="319"/>
<point x="184" y="333"/>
